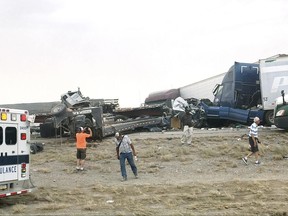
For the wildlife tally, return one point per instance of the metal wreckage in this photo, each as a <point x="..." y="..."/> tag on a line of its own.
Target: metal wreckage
<point x="104" y="118"/>
<point x="245" y="91"/>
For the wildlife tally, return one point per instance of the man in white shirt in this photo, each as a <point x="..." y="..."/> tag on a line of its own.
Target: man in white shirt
<point x="253" y="141"/>
<point x="124" y="150"/>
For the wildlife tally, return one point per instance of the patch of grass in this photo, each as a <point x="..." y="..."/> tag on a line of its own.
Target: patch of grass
<point x="44" y="170"/>
<point x="277" y="157"/>
<point x="209" y="152"/>
<point x="53" y="206"/>
<point x="152" y="170"/>
<point x="183" y="150"/>
<point x="167" y="157"/>
<point x="279" y="151"/>
<point x="184" y="159"/>
<point x="90" y="206"/>
<point x="150" y="152"/>
<point x="102" y="155"/>
<point x="19" y="209"/>
<point x="105" y="169"/>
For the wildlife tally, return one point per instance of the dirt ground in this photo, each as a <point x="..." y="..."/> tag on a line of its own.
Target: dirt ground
<point x="207" y="178"/>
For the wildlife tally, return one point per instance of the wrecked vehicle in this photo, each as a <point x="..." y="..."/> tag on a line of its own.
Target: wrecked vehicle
<point x="281" y="111"/>
<point x="249" y="90"/>
<point x="179" y="105"/>
<point x="75" y="112"/>
<point x="36" y="147"/>
<point x="145" y="110"/>
<point x="245" y="91"/>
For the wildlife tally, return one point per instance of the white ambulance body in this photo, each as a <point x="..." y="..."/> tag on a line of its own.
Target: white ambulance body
<point x="14" y="152"/>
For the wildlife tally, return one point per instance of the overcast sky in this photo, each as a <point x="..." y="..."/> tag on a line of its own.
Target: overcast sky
<point x="128" y="49"/>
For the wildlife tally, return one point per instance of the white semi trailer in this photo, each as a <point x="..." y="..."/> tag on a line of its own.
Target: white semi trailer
<point x="202" y="89"/>
<point x="273" y="80"/>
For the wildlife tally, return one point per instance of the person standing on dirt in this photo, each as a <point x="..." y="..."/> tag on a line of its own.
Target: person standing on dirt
<point x="81" y="145"/>
<point x="253" y="141"/>
<point x="187" y="125"/>
<point x="124" y="150"/>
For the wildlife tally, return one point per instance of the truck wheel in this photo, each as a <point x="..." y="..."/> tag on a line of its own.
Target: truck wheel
<point x="58" y="109"/>
<point x="89" y="124"/>
<point x="269" y="117"/>
<point x="33" y="148"/>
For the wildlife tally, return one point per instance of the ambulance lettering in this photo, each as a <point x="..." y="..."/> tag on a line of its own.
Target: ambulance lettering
<point x="23" y="128"/>
<point x="8" y="169"/>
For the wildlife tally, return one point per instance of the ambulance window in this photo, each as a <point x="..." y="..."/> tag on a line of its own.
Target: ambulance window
<point x="1" y="135"/>
<point x="10" y="135"/>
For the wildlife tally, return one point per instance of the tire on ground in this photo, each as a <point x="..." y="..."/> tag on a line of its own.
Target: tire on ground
<point x="33" y="148"/>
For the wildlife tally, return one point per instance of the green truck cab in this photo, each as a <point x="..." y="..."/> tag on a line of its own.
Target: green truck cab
<point x="281" y="111"/>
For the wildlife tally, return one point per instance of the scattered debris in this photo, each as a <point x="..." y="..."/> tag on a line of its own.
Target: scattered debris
<point x="36" y="147"/>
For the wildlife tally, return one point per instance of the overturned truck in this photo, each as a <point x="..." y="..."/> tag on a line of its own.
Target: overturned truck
<point x="76" y="111"/>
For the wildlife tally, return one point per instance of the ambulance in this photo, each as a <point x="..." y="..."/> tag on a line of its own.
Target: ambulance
<point x="14" y="152"/>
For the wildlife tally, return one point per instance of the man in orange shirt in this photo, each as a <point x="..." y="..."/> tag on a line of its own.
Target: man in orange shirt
<point x="81" y="144"/>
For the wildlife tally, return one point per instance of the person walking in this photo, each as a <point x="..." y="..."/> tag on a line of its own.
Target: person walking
<point x="124" y="150"/>
<point x="187" y="125"/>
<point x="81" y="145"/>
<point x="253" y="141"/>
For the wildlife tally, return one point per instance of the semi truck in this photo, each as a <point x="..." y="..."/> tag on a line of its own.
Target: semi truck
<point x="75" y="111"/>
<point x="274" y="79"/>
<point x="236" y="98"/>
<point x="249" y="90"/>
<point x="14" y="152"/>
<point x="281" y="111"/>
<point x="245" y="91"/>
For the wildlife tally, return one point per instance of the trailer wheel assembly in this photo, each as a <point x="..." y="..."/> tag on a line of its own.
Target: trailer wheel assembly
<point x="269" y="117"/>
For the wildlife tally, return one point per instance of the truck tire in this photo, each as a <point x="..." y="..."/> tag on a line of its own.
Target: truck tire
<point x="58" y="109"/>
<point x="269" y="117"/>
<point x="33" y="148"/>
<point x="89" y="124"/>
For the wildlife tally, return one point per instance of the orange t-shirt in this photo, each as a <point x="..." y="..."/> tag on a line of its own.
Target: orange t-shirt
<point x="81" y="140"/>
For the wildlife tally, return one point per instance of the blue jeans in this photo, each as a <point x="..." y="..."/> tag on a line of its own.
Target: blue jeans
<point x="130" y="160"/>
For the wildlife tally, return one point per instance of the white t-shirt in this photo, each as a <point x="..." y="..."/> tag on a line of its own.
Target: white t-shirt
<point x="253" y="130"/>
<point x="125" y="144"/>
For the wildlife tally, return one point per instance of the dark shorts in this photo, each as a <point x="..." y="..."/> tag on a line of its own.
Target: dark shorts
<point x="81" y="154"/>
<point x="253" y="148"/>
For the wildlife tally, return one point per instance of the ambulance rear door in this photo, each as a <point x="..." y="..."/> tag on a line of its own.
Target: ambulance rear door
<point x="9" y="152"/>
